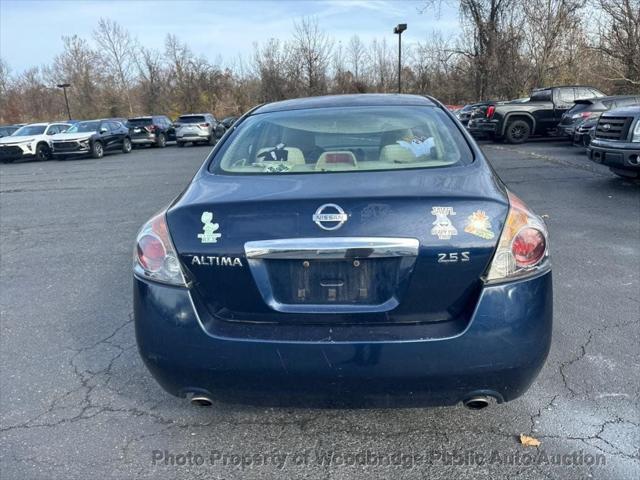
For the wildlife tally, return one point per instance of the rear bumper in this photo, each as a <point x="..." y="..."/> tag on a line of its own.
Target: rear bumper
<point x="566" y="131"/>
<point x="622" y="155"/>
<point x="581" y="139"/>
<point x="143" y="140"/>
<point x="188" y="137"/>
<point x="499" y="352"/>
<point x="482" y="126"/>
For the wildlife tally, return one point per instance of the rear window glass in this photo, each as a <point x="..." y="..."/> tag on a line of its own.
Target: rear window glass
<point x="191" y="119"/>
<point x="344" y="139"/>
<point x="139" y="122"/>
<point x="579" y="107"/>
<point x="541" y="96"/>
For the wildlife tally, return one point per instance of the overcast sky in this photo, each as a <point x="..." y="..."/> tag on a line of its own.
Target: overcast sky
<point x="31" y="30"/>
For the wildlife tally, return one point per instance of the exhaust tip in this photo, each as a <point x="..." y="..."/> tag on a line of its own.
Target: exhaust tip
<point x="201" y="401"/>
<point x="476" y="403"/>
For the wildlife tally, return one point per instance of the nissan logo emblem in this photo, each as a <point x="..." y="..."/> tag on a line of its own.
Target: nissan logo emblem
<point x="330" y="216"/>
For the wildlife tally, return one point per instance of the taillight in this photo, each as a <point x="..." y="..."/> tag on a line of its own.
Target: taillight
<point x="582" y="115"/>
<point x="528" y="247"/>
<point x="151" y="252"/>
<point x="154" y="256"/>
<point x="491" y="109"/>
<point x="204" y="125"/>
<point x="151" y="128"/>
<point x="523" y="248"/>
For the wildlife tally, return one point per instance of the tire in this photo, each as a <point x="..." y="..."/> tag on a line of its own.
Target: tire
<point x="97" y="150"/>
<point x="161" y="141"/>
<point x="126" y="145"/>
<point x="42" y="152"/>
<point x="180" y="144"/>
<point x="212" y="140"/>
<point x="517" y="131"/>
<point x="586" y="140"/>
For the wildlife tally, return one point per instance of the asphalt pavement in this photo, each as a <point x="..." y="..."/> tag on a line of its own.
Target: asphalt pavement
<point x="76" y="401"/>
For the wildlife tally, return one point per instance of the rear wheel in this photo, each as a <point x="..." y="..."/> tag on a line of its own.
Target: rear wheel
<point x="161" y="141"/>
<point x="42" y="152"/>
<point x="97" y="150"/>
<point x="126" y="145"/>
<point x="212" y="139"/>
<point x="517" y="131"/>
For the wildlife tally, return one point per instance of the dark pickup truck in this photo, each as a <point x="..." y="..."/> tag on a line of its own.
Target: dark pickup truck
<point x="616" y="143"/>
<point x="516" y="122"/>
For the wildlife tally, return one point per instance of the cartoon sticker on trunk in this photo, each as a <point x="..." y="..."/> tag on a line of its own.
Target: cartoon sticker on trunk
<point x="209" y="229"/>
<point x="442" y="226"/>
<point x="478" y="224"/>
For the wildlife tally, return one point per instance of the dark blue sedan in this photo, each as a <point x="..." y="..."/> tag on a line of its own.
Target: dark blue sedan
<point x="353" y="250"/>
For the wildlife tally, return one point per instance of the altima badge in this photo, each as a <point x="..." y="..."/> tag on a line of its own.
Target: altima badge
<point x="211" y="261"/>
<point x="330" y="216"/>
<point x="478" y="224"/>
<point x="442" y="226"/>
<point x="209" y="229"/>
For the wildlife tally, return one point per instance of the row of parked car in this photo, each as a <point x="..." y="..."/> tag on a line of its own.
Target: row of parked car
<point x="60" y="140"/>
<point x="607" y="126"/>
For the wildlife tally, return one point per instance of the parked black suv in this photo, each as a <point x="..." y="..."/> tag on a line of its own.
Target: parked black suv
<point x="227" y="122"/>
<point x="616" y="143"/>
<point x="465" y="113"/>
<point x="151" y="130"/>
<point x="94" y="137"/>
<point x="516" y="122"/>
<point x="575" y="123"/>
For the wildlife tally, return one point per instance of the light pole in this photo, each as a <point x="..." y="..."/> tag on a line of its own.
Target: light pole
<point x="401" y="27"/>
<point x="64" y="87"/>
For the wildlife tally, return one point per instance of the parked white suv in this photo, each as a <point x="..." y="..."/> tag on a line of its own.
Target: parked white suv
<point x="33" y="140"/>
<point x="198" y="128"/>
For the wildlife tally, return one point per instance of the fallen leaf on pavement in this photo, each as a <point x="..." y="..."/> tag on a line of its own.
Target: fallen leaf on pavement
<point x="528" y="441"/>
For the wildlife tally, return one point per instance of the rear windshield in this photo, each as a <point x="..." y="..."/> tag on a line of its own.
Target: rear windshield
<point x="191" y="119"/>
<point x="139" y="122"/>
<point x="579" y="107"/>
<point x="540" y="96"/>
<point x="344" y="139"/>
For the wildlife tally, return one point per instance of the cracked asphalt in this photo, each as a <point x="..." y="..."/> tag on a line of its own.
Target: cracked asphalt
<point x="76" y="401"/>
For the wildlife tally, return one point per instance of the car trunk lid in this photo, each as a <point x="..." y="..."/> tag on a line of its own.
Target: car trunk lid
<point x="404" y="246"/>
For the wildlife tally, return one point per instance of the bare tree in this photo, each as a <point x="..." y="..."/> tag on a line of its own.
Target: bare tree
<point x="117" y="49"/>
<point x="548" y="22"/>
<point x="151" y="80"/>
<point x="313" y="48"/>
<point x="383" y="65"/>
<point x="270" y="64"/>
<point x="78" y="64"/>
<point x="619" y="40"/>
<point x="356" y="54"/>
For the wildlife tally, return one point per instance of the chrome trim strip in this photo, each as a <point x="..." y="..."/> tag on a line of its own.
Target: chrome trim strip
<point x="332" y="248"/>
